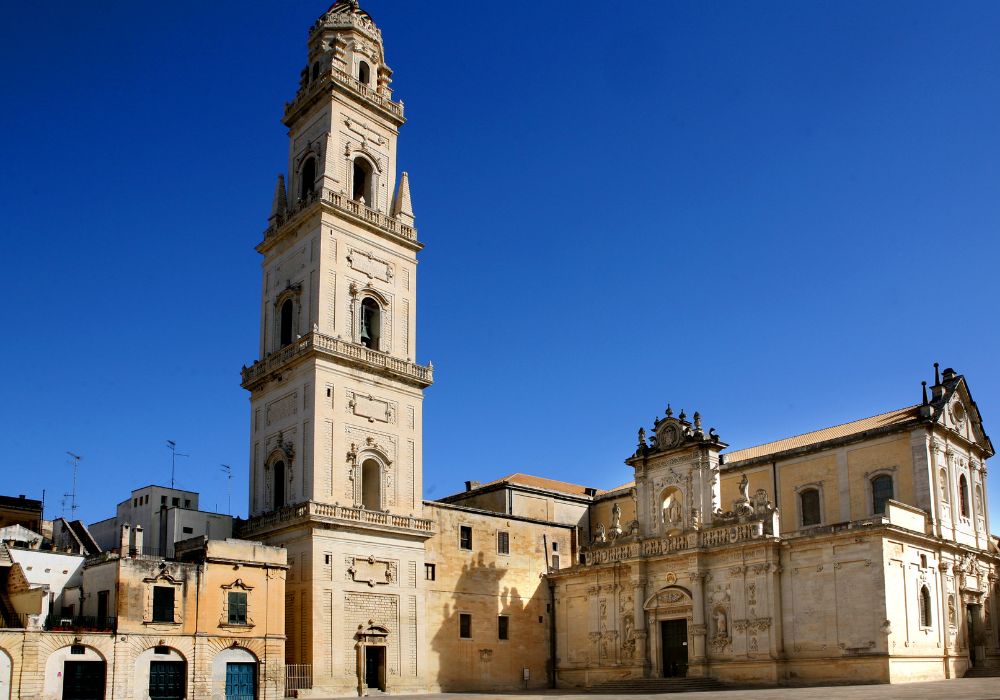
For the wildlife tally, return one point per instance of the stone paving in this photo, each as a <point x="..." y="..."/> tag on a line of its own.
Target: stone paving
<point x="956" y="689"/>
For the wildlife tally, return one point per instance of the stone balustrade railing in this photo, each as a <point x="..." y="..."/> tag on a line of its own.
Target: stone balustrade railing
<point x="311" y="510"/>
<point x="380" y="100"/>
<point x="354" y="209"/>
<point x="713" y="537"/>
<point x="370" y="216"/>
<point x="335" y="347"/>
<point x="395" y="108"/>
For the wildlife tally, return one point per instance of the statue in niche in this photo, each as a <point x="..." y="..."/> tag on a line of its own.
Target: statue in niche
<point x="602" y="535"/>
<point x="952" y="617"/>
<point x="721" y="623"/>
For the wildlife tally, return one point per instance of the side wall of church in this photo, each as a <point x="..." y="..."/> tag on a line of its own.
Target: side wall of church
<point x="487" y="584"/>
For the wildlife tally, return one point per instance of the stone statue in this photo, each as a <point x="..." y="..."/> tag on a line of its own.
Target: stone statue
<point x="602" y="536"/>
<point x="721" y="623"/>
<point x="745" y="489"/>
<point x="616" y="517"/>
<point x="673" y="512"/>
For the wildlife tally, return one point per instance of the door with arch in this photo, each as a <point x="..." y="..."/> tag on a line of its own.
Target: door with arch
<point x="5" y="675"/>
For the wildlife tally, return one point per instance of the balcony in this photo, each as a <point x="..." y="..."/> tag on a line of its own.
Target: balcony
<point x="335" y="514"/>
<point x="80" y="623"/>
<point x="334" y="348"/>
<point x="354" y="210"/>
<point x="308" y="95"/>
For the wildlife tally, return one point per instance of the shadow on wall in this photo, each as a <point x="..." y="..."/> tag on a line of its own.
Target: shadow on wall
<point x="471" y="653"/>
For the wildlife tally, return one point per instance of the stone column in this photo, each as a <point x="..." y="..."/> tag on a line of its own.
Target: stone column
<point x="699" y="630"/>
<point x="638" y="580"/>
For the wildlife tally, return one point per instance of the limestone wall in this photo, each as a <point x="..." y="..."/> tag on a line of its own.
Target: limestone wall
<point x="486" y="585"/>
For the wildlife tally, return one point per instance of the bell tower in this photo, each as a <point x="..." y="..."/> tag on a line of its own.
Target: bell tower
<point x="336" y="395"/>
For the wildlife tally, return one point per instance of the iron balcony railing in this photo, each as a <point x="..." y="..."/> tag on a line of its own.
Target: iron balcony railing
<point x="80" y="623"/>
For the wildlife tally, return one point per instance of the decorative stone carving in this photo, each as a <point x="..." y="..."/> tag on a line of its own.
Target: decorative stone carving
<point x="371" y="570"/>
<point x="370" y="407"/>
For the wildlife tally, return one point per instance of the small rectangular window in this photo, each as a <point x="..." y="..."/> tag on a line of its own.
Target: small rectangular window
<point x="187" y="530"/>
<point x="78" y="649"/>
<point x="327" y="559"/>
<point x="555" y="546"/>
<point x="175" y="501"/>
<point x="161" y="651"/>
<point x="163" y="500"/>
<point x="503" y="627"/>
<point x="465" y="625"/>
<point x="237" y="608"/>
<point x="503" y="543"/>
<point x="187" y="502"/>
<point x="135" y="502"/>
<point x="429" y="572"/>
<point x="465" y="537"/>
<point x="163" y="603"/>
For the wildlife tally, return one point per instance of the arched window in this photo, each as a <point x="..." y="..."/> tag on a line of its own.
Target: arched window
<point x="925" y="607"/>
<point x="881" y="492"/>
<point x="809" y="502"/>
<point x="364" y="73"/>
<point x="285" y="323"/>
<point x="278" y="490"/>
<point x="963" y="495"/>
<point x="361" y="189"/>
<point x="371" y="485"/>
<point x="307" y="179"/>
<point x="371" y="323"/>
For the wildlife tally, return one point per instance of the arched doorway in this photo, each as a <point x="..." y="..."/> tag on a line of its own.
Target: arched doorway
<point x="670" y="609"/>
<point x="163" y="671"/>
<point x="234" y="674"/>
<point x="75" y="672"/>
<point x="5" y="675"/>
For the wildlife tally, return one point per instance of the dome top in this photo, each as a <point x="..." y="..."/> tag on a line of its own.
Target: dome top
<point x="347" y="13"/>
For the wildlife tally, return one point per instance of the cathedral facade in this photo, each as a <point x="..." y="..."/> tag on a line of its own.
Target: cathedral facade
<point x="857" y="552"/>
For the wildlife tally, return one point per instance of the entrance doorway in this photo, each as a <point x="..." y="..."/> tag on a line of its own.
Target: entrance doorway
<point x="166" y="680"/>
<point x="83" y="680"/>
<point x="375" y="667"/>
<point x="673" y="645"/>
<point x="970" y="632"/>
<point x="241" y="681"/>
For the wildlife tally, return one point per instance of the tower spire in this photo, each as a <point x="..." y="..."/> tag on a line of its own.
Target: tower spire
<point x="402" y="207"/>
<point x="279" y="207"/>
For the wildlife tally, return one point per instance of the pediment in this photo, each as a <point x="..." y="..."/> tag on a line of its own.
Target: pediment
<point x="958" y="412"/>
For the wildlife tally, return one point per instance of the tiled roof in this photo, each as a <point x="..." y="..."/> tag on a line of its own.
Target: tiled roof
<point x="883" y="420"/>
<point x="539" y="482"/>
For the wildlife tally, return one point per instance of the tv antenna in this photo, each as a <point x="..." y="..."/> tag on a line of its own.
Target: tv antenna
<point x="72" y="494"/>
<point x="229" y="486"/>
<point x="174" y="454"/>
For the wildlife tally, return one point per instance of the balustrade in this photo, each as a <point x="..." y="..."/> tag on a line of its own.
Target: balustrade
<point x="312" y="509"/>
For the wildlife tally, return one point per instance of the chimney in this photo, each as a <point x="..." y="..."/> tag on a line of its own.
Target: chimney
<point x="138" y="539"/>
<point x="123" y="541"/>
<point x="471" y="485"/>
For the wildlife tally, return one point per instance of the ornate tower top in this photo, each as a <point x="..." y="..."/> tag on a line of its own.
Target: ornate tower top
<point x="346" y="53"/>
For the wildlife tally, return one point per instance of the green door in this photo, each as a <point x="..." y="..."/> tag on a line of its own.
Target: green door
<point x="167" y="680"/>
<point x="241" y="681"/>
<point x="83" y="680"/>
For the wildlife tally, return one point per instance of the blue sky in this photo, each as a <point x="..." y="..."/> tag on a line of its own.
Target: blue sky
<point x="777" y="213"/>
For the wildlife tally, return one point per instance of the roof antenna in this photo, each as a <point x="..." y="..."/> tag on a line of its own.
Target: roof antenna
<point x="937" y="374"/>
<point x="72" y="494"/>
<point x="174" y="454"/>
<point x="924" y="386"/>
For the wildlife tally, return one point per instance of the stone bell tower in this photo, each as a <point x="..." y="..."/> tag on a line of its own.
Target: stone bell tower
<point x="336" y="396"/>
